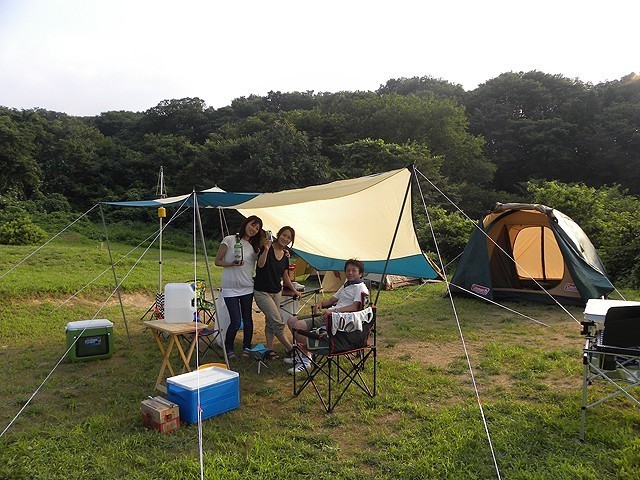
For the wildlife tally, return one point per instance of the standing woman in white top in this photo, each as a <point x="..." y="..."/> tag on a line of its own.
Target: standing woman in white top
<point x="237" y="281"/>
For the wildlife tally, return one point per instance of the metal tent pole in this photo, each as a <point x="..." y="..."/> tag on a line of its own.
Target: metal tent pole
<point x="206" y="261"/>
<point x="162" y="212"/>
<point x="115" y="278"/>
<point x="395" y="233"/>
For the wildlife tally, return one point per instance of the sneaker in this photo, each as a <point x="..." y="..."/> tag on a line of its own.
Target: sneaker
<point x="246" y="352"/>
<point x="299" y="367"/>
<point x="232" y="356"/>
<point x="293" y="360"/>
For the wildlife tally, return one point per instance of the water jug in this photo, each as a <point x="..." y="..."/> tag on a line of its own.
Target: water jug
<point x="179" y="303"/>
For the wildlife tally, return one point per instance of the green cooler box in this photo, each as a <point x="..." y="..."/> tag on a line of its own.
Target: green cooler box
<point x="94" y="339"/>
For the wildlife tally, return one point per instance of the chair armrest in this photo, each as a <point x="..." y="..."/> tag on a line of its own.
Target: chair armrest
<point x="308" y="334"/>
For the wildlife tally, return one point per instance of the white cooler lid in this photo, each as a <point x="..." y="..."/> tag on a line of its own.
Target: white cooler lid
<point x="82" y="324"/>
<point x="208" y="376"/>
<point x="597" y="308"/>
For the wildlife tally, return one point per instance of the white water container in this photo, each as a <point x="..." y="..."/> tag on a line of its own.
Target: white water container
<point x="179" y="303"/>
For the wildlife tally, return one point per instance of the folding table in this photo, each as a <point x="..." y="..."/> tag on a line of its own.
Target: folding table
<point x="173" y="331"/>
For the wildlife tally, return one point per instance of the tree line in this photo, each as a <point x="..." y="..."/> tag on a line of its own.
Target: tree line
<point x="506" y="140"/>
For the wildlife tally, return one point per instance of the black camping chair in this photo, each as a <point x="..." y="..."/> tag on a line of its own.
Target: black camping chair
<point x="341" y="353"/>
<point x="613" y="355"/>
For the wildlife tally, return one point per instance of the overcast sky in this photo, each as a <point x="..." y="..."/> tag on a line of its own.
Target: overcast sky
<point x="84" y="57"/>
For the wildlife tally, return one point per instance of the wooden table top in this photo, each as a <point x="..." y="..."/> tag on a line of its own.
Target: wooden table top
<point x="175" y="328"/>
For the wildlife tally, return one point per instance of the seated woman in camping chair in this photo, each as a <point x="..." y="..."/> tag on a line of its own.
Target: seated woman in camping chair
<point x="348" y="298"/>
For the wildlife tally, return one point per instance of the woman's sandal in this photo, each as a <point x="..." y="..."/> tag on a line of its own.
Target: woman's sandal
<point x="271" y="355"/>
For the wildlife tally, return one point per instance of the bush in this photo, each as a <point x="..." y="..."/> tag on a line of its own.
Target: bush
<point x="623" y="261"/>
<point x="21" y="231"/>
<point x="16" y="225"/>
<point x="452" y="231"/>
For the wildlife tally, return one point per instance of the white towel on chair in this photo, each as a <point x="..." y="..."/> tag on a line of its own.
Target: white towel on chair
<point x="350" y="321"/>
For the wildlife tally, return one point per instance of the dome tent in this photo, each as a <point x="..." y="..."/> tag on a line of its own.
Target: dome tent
<point x="530" y="252"/>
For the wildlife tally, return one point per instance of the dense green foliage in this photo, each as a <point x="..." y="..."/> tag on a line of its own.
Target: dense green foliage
<point x="478" y="147"/>
<point x="546" y="126"/>
<point x="16" y="225"/>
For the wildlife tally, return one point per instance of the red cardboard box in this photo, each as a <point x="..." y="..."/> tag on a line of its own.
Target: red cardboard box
<point x="160" y="414"/>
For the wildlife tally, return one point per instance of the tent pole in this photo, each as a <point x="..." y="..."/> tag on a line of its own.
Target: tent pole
<point x="206" y="257"/>
<point x="206" y="262"/>
<point x="161" y="213"/>
<point x="115" y="278"/>
<point x="160" y="256"/>
<point x="395" y="233"/>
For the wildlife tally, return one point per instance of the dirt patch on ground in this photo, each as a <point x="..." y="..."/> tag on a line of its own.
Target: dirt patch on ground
<point x="439" y="354"/>
<point x="137" y="299"/>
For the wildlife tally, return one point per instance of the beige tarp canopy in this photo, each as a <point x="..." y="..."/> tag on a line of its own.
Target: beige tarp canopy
<point x="349" y="218"/>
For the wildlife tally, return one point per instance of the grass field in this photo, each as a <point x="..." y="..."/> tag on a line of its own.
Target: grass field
<point x="425" y="423"/>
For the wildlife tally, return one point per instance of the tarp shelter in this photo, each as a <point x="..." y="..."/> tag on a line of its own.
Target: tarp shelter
<point x="349" y="218"/>
<point x="359" y="217"/>
<point x="330" y="281"/>
<point x="521" y="250"/>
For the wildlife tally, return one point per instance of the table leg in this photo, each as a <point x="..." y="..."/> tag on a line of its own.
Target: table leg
<point x="166" y="362"/>
<point x="186" y="358"/>
<point x="156" y="336"/>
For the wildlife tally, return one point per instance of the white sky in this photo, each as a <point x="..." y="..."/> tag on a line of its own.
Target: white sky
<point x="84" y="57"/>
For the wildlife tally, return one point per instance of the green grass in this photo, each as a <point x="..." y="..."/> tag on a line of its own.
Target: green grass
<point x="424" y="423"/>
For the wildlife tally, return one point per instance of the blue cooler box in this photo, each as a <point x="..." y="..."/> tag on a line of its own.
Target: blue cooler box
<point x="219" y="392"/>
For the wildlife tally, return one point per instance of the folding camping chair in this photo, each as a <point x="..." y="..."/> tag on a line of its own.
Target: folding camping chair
<point x="156" y="310"/>
<point x="341" y="349"/>
<point x="205" y="311"/>
<point x="612" y="354"/>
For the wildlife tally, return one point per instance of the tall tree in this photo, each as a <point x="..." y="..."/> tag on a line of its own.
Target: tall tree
<point x="187" y="117"/>
<point x="426" y="85"/>
<point x="439" y="124"/>
<point x="20" y="173"/>
<point x="528" y="122"/>
<point x="70" y="161"/>
<point x="287" y="158"/>
<point x="367" y="156"/>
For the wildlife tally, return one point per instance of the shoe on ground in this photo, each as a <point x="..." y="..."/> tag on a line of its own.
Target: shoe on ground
<point x="246" y="352"/>
<point x="232" y="356"/>
<point x="300" y="367"/>
<point x="294" y="360"/>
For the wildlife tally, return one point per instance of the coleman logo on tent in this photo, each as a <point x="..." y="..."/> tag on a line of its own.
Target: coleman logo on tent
<point x="570" y="287"/>
<point x="480" y="289"/>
